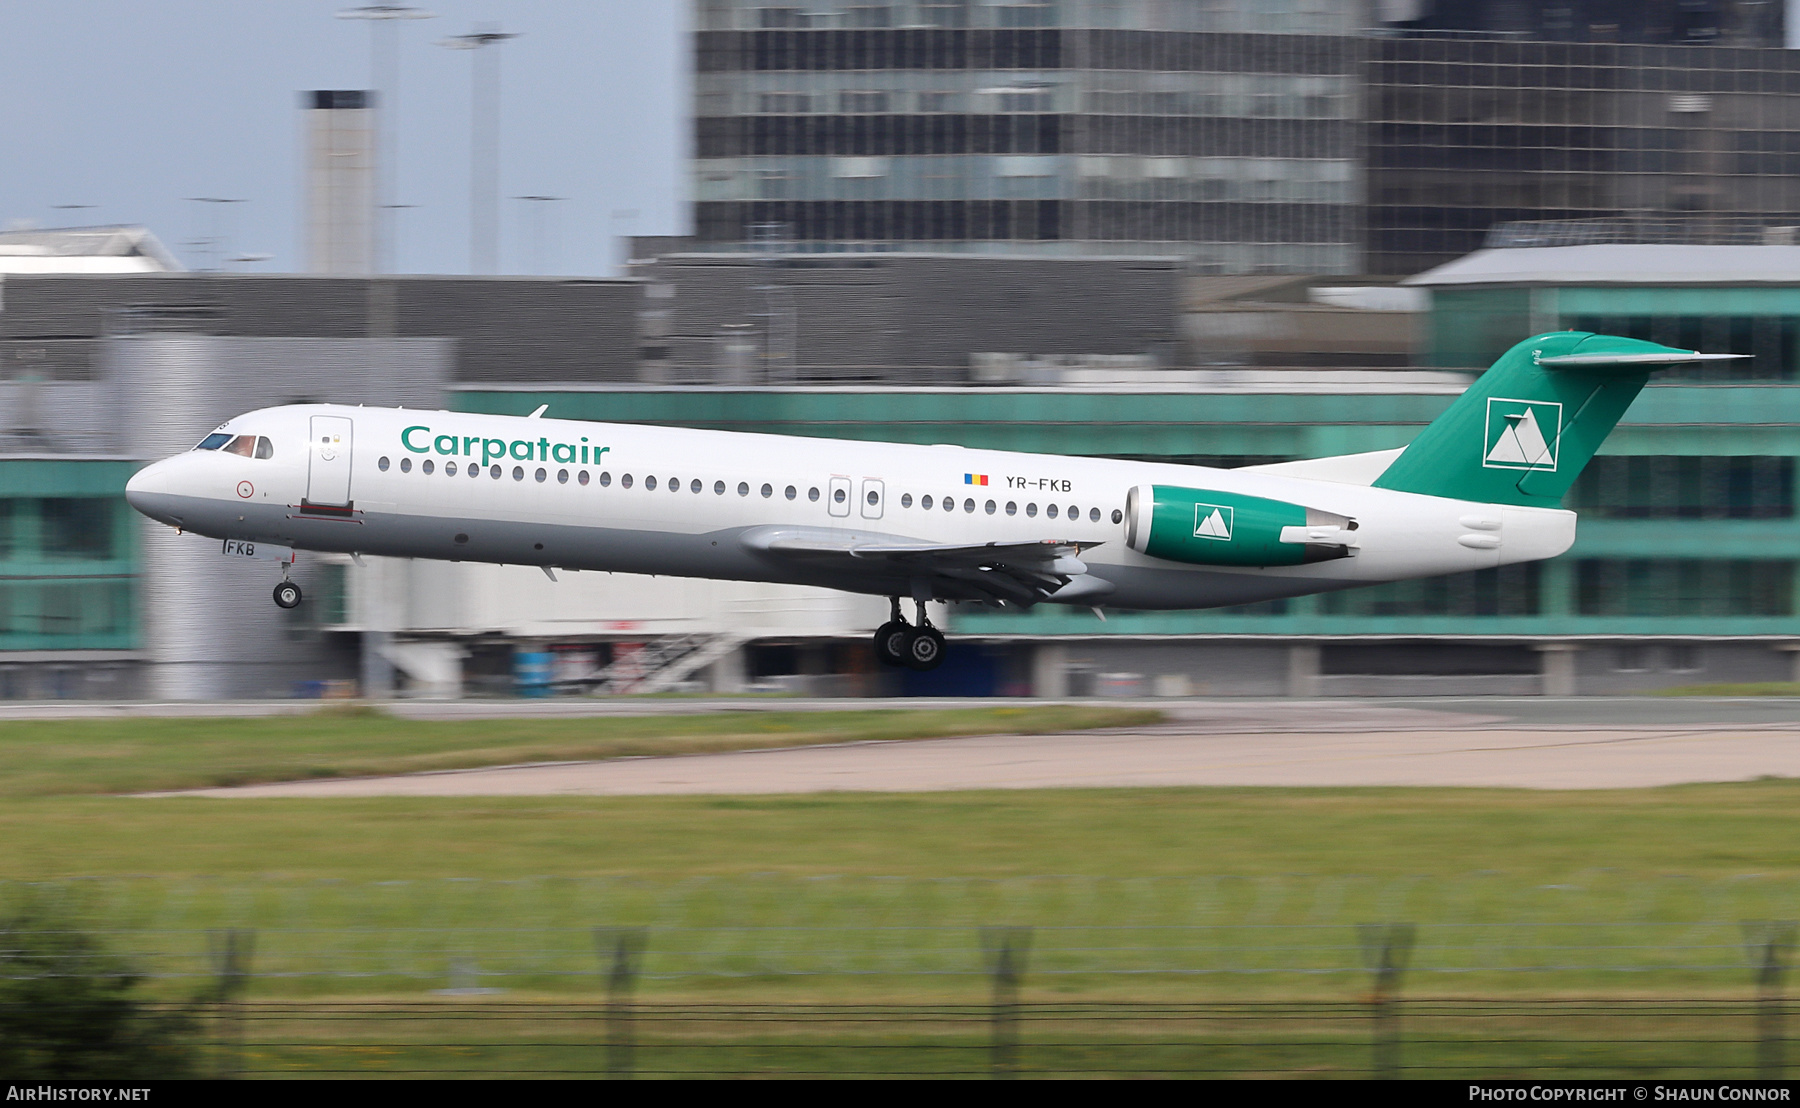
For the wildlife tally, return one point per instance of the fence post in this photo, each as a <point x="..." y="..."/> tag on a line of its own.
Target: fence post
<point x="1007" y="949"/>
<point x="230" y="951"/>
<point x="1767" y="943"/>
<point x="1386" y="948"/>
<point x="622" y="948"/>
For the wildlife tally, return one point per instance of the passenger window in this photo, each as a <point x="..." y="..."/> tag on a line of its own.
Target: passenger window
<point x="450" y="469"/>
<point x="768" y="491"/>
<point x="1031" y="510"/>
<point x="244" y="446"/>
<point x="649" y="483"/>
<point x="743" y="488"/>
<point x="791" y="492"/>
<point x="264" y="448"/>
<point x="213" y="441"/>
<point x="1012" y="508"/>
<point x="925" y="502"/>
<point x="812" y="494"/>
<point x="906" y="500"/>
<point x="426" y="466"/>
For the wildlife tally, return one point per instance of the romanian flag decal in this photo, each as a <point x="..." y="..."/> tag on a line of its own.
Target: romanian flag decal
<point x="975" y="478"/>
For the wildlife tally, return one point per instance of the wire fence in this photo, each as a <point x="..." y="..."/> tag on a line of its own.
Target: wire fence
<point x="1469" y="977"/>
<point x="538" y="934"/>
<point x="1547" y="1038"/>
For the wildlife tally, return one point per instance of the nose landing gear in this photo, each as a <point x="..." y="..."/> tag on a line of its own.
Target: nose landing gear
<point x="287" y="595"/>
<point x="898" y="643"/>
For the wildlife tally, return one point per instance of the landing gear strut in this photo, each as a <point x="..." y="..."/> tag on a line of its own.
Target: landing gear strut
<point x="898" y="643"/>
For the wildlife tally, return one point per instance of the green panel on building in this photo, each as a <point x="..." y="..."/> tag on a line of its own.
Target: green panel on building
<point x="68" y="556"/>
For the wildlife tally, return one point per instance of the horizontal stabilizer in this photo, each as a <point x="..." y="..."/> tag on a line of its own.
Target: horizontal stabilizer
<point x="1633" y="361"/>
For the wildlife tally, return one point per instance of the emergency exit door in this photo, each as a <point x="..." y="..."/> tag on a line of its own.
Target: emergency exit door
<point x="328" y="465"/>
<point x="839" y="493"/>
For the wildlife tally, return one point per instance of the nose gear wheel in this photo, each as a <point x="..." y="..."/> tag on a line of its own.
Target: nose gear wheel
<point x="287" y="595"/>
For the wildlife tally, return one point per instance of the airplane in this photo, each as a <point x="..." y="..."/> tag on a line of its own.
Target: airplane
<point x="1480" y="486"/>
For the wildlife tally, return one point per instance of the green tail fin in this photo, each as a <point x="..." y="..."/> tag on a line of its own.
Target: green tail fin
<point x="1524" y="431"/>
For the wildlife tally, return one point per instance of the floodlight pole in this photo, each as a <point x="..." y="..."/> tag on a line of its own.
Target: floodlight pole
<point x="484" y="144"/>
<point x="384" y="80"/>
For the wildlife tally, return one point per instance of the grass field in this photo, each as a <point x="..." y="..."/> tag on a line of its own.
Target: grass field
<point x="65" y="757"/>
<point x="1148" y="896"/>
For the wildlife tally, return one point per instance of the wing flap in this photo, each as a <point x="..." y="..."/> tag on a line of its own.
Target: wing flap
<point x="1022" y="572"/>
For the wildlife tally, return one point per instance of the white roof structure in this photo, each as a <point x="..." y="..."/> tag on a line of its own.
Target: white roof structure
<point x="85" y="250"/>
<point x="1619" y="264"/>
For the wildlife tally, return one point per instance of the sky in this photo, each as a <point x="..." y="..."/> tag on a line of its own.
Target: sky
<point x="134" y="105"/>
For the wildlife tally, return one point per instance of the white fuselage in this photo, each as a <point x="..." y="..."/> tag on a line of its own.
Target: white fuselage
<point x="600" y="496"/>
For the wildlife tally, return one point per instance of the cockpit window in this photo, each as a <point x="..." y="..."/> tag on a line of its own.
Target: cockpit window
<point x="245" y="446"/>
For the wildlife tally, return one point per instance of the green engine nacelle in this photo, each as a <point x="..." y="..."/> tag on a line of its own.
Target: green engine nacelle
<point x="1210" y="528"/>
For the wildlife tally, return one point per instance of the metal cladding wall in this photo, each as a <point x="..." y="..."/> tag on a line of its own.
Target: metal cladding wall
<point x="506" y="329"/>
<point x="851" y="317"/>
<point x="206" y="621"/>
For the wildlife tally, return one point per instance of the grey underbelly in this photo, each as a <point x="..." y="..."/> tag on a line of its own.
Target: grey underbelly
<point x="715" y="554"/>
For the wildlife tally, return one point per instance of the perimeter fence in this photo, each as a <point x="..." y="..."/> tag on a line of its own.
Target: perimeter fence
<point x="1475" y="976"/>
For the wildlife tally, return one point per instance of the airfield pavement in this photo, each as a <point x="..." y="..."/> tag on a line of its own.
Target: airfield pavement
<point x="1538" y="743"/>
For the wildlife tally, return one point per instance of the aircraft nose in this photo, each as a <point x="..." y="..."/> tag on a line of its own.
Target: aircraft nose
<point x="150" y="488"/>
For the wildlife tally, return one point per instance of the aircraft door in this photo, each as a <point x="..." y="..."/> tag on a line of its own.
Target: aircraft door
<point x="872" y="496"/>
<point x="838" y="500"/>
<point x="328" y="467"/>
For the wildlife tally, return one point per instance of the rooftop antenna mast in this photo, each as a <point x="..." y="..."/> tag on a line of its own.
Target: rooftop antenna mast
<point x="537" y="211"/>
<point x="484" y="144"/>
<point x="214" y="243"/>
<point x="384" y="81"/>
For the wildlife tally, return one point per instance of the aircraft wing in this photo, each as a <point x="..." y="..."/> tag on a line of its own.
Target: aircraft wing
<point x="1017" y="572"/>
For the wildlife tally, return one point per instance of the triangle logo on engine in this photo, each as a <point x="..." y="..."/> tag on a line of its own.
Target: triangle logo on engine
<point x="1212" y="521"/>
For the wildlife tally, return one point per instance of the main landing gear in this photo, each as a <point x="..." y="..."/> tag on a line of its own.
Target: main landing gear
<point x="898" y="643"/>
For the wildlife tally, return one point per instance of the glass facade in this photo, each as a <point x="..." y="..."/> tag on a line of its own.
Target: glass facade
<point x="1650" y="486"/>
<point x="1225" y="132"/>
<point x="1248" y="136"/>
<point x="1465" y="133"/>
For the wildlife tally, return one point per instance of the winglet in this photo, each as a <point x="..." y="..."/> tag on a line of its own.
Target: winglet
<point x="541" y="409"/>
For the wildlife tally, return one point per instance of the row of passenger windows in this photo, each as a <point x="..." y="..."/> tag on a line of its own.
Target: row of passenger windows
<point x="791" y="492"/>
